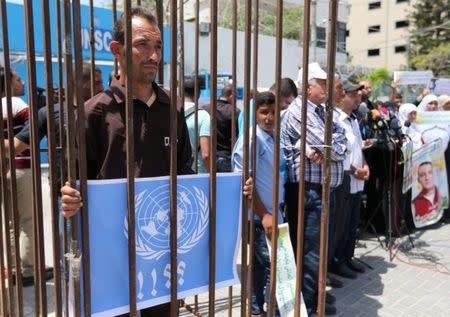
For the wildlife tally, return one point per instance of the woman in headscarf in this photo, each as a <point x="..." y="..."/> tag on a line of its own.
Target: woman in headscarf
<point x="407" y="116"/>
<point x="432" y="132"/>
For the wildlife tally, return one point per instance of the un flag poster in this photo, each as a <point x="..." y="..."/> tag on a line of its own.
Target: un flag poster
<point x="108" y="238"/>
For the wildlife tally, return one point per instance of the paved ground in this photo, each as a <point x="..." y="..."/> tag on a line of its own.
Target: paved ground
<point x="415" y="283"/>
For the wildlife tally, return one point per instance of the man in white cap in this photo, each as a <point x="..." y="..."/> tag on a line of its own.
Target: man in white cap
<point x="290" y="138"/>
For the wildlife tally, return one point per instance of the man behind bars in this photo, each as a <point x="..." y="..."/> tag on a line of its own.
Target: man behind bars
<point x="105" y="125"/>
<point x="290" y="138"/>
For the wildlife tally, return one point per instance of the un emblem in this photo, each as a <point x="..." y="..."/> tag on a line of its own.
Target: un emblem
<point x="153" y="220"/>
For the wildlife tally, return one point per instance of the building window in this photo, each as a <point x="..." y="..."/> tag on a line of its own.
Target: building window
<point x="341" y="37"/>
<point x="400" y="1"/>
<point x="402" y="24"/>
<point x="373" y="52"/>
<point x="321" y="35"/>
<point x="374" y="5"/>
<point x="400" y="49"/>
<point x="374" y="28"/>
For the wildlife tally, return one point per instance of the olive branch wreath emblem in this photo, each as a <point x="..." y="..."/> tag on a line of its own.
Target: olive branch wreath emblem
<point x="146" y="252"/>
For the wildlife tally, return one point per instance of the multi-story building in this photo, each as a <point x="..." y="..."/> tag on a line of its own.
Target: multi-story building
<point x="378" y="32"/>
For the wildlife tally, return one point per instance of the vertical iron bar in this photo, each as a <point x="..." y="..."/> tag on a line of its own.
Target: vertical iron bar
<point x="130" y="156"/>
<point x="71" y="154"/>
<point x="173" y="159"/>
<point x="247" y="69"/>
<point x="82" y="148"/>
<point x="35" y="161"/>
<point x="138" y="2"/>
<point x="234" y="73"/>
<point x="331" y="59"/>
<point x="3" y="276"/>
<point x="253" y="156"/>
<point x="196" y="88"/>
<point x="213" y="166"/>
<point x="181" y="51"/>
<point x="114" y="15"/>
<point x="52" y="155"/>
<point x="160" y="15"/>
<point x="62" y="143"/>
<point x="276" y="159"/>
<point x="301" y="190"/>
<point x="233" y="113"/>
<point x="92" y="47"/>
<point x="11" y="208"/>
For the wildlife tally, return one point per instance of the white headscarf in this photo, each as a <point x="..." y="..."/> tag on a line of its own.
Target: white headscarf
<point x="413" y="131"/>
<point x="425" y="101"/>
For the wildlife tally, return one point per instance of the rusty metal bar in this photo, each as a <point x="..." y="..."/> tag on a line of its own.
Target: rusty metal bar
<point x="12" y="206"/>
<point x="233" y="113"/>
<point x="3" y="299"/>
<point x="326" y="177"/>
<point x="181" y="51"/>
<point x="92" y="48"/>
<point x="114" y="16"/>
<point x="35" y="162"/>
<point x="71" y="154"/>
<point x="301" y="190"/>
<point x="253" y="156"/>
<point x="160" y="15"/>
<point x="129" y="128"/>
<point x="245" y="170"/>
<point x="196" y="89"/>
<point x="62" y="143"/>
<point x="213" y="157"/>
<point x="173" y="160"/>
<point x="234" y="76"/>
<point x="82" y="146"/>
<point x="52" y="155"/>
<point x="276" y="159"/>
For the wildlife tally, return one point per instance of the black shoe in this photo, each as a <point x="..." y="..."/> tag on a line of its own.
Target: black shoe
<point x="330" y="309"/>
<point x="330" y="299"/>
<point x="344" y="271"/>
<point x="355" y="266"/>
<point x="334" y="282"/>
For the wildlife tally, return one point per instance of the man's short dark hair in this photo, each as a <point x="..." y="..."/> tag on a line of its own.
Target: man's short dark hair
<point x="189" y="88"/>
<point x="264" y="98"/>
<point x="137" y="11"/>
<point x="425" y="163"/>
<point x="287" y="89"/>
<point x="227" y="91"/>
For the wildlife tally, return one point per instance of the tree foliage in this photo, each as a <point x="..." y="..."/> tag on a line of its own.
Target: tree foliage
<point x="292" y="20"/>
<point x="430" y="35"/>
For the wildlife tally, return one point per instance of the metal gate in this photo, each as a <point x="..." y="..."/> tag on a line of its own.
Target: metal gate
<point x="73" y="155"/>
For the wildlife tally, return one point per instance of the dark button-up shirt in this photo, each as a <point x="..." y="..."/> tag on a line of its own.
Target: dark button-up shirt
<point x="106" y="137"/>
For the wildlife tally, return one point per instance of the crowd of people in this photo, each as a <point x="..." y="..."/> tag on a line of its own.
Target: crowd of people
<point x="352" y="134"/>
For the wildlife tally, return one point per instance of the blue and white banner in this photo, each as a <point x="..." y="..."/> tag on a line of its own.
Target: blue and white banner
<point x="108" y="238"/>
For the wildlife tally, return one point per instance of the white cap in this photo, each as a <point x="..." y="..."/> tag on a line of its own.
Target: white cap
<point x="314" y="72"/>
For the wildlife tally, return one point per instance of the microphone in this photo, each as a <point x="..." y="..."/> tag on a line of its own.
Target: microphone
<point x="407" y="124"/>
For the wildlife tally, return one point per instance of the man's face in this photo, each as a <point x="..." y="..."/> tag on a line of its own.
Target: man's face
<point x="367" y="90"/>
<point x="351" y="100"/>
<point x="98" y="87"/>
<point x="317" y="92"/>
<point x="146" y="51"/>
<point x="286" y="101"/>
<point x="17" y="85"/>
<point x="339" y="92"/>
<point x="426" y="176"/>
<point x="265" y="115"/>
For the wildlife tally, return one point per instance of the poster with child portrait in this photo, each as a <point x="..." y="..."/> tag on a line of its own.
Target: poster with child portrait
<point x="429" y="188"/>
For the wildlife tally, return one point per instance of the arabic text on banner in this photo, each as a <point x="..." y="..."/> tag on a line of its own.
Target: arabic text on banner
<point x="108" y="238"/>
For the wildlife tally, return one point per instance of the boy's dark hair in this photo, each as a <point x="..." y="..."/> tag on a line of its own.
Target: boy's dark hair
<point x="189" y="88"/>
<point x="137" y="11"/>
<point x="287" y="89"/>
<point x="227" y="91"/>
<point x="264" y="98"/>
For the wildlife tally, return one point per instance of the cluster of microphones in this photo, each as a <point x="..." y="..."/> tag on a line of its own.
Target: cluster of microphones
<point x="384" y="124"/>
